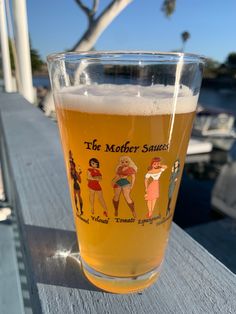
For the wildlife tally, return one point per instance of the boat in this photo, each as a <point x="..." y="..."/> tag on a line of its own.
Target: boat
<point x="216" y="126"/>
<point x="223" y="197"/>
<point x="197" y="158"/>
<point x="197" y="146"/>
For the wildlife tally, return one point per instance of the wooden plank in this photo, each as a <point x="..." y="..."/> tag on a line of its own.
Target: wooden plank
<point x="219" y="238"/>
<point x="10" y="289"/>
<point x="2" y="195"/>
<point x="192" y="281"/>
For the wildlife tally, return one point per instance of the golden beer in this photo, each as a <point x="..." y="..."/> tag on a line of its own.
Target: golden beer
<point x="125" y="120"/>
<point x="124" y="167"/>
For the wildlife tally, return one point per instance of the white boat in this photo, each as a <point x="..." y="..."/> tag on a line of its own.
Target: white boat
<point x="197" y="146"/>
<point x="197" y="158"/>
<point x="223" y="194"/>
<point x="215" y="126"/>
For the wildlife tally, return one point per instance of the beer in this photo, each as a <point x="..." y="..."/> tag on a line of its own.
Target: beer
<point x="124" y="152"/>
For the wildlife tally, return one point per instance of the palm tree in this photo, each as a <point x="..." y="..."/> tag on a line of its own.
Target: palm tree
<point x="184" y="36"/>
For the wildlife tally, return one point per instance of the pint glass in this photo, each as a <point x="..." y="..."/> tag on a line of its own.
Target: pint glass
<point x="125" y="119"/>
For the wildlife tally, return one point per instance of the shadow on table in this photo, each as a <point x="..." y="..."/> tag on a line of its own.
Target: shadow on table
<point x="54" y="258"/>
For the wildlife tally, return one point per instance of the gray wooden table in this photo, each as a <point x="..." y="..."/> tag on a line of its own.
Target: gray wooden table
<point x="192" y="280"/>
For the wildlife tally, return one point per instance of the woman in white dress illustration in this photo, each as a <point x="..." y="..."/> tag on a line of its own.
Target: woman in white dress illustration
<point x="152" y="183"/>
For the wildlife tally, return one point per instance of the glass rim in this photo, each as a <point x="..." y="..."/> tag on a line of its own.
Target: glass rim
<point x="126" y="55"/>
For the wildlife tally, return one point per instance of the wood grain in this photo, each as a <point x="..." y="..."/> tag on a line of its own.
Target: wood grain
<point x="219" y="238"/>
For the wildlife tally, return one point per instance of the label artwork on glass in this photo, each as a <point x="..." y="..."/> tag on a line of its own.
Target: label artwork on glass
<point x="175" y="171"/>
<point x="94" y="177"/>
<point x="123" y="183"/>
<point x="152" y="177"/>
<point x="92" y="204"/>
<point x="76" y="178"/>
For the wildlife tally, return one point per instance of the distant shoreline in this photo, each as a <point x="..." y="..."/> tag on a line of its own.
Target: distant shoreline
<point x="224" y="82"/>
<point x="42" y="80"/>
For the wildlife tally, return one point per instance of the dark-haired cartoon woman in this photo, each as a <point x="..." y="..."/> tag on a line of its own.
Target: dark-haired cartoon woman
<point x="94" y="177"/>
<point x="75" y="176"/>
<point x="152" y="183"/>
<point x="173" y="180"/>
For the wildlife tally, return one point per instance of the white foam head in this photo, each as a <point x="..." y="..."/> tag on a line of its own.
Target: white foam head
<point x="127" y="99"/>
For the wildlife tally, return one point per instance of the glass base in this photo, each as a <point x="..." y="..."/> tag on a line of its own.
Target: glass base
<point x="120" y="284"/>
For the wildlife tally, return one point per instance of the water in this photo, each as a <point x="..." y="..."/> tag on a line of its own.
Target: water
<point x="194" y="205"/>
<point x="218" y="98"/>
<point x="194" y="202"/>
<point x="41" y="81"/>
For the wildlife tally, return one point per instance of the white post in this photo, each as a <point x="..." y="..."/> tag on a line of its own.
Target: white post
<point x="23" y="49"/>
<point x="6" y="64"/>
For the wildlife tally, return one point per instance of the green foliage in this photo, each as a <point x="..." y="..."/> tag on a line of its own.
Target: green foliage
<point x="36" y="61"/>
<point x="185" y="36"/>
<point x="211" y="64"/>
<point x="11" y="55"/>
<point x="168" y="7"/>
<point x="211" y="68"/>
<point x="231" y="60"/>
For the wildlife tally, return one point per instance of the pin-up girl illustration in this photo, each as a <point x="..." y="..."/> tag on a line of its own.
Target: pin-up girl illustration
<point x="152" y="183"/>
<point x="175" y="170"/>
<point x="94" y="177"/>
<point x="123" y="183"/>
<point x="75" y="176"/>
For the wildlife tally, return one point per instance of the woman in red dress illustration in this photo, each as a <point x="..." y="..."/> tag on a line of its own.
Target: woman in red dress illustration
<point x="75" y="176"/>
<point x="125" y="169"/>
<point x="94" y="177"/>
<point x="152" y="183"/>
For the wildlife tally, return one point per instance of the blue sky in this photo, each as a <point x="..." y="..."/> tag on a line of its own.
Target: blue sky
<point x="56" y="25"/>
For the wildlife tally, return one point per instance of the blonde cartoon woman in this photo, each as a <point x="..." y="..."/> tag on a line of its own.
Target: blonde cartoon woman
<point x="94" y="177"/>
<point x="123" y="183"/>
<point x="152" y="183"/>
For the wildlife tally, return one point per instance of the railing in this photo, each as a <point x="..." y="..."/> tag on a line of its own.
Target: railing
<point x="192" y="280"/>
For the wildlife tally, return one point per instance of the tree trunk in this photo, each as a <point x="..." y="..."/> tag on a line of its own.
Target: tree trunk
<point x="96" y="28"/>
<point x="89" y="39"/>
